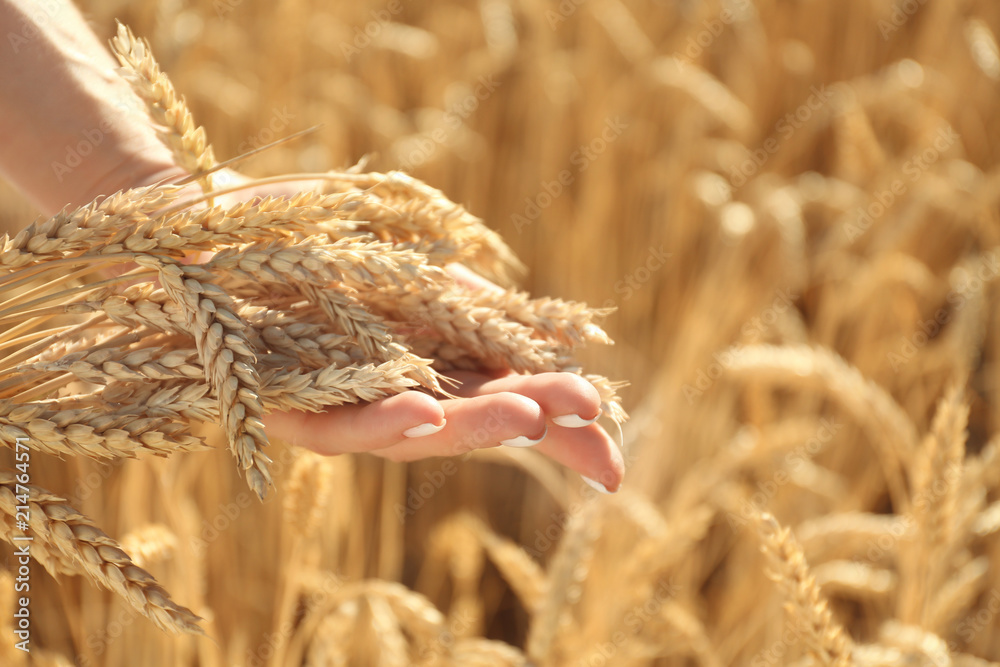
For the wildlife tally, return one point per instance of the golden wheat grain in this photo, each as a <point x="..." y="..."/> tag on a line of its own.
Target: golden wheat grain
<point x="82" y="548"/>
<point x="307" y="494"/>
<point x="228" y="361"/>
<point x="565" y="573"/>
<point x="437" y="217"/>
<point x="936" y="475"/>
<point x="825" y="638"/>
<point x="166" y="108"/>
<point x="115" y="434"/>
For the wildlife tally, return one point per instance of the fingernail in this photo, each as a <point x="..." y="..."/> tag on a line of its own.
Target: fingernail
<point x="573" y="421"/>
<point x="524" y="441"/>
<point x="595" y="485"/>
<point x="424" y="429"/>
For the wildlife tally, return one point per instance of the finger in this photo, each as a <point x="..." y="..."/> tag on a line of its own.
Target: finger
<point x="589" y="451"/>
<point x="476" y="423"/>
<point x="359" y="428"/>
<point x="566" y="398"/>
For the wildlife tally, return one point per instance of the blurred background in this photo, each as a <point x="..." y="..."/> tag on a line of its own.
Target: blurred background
<point x="815" y="175"/>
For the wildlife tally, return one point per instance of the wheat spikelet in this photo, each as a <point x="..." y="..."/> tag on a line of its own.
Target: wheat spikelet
<point x="121" y="364"/>
<point x="168" y="110"/>
<point x="314" y="268"/>
<point x="124" y="434"/>
<point x="611" y="403"/>
<point x="565" y="573"/>
<point x="567" y="322"/>
<point x="937" y="473"/>
<point x="73" y="230"/>
<point x="315" y="390"/>
<point x="483" y="332"/>
<point x="281" y="217"/>
<point x="417" y="212"/>
<point x="825" y="639"/>
<point x="306" y="343"/>
<point x="228" y="361"/>
<point x="79" y="547"/>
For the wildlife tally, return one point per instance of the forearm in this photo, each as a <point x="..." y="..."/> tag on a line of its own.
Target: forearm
<point x="70" y="127"/>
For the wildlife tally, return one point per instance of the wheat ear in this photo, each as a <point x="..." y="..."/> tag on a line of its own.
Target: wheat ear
<point x="186" y="141"/>
<point x="228" y="360"/>
<point x="824" y="637"/>
<point x="78" y="546"/>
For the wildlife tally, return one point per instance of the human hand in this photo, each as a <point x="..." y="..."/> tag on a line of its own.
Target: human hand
<point x="554" y="412"/>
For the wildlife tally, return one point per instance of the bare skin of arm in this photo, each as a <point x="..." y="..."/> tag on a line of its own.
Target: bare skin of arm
<point x="71" y="130"/>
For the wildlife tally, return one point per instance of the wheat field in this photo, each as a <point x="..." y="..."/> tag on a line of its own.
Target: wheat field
<point x="792" y="208"/>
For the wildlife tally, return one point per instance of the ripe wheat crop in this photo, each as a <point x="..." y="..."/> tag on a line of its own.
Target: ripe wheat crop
<point x="168" y="342"/>
<point x="792" y="208"/>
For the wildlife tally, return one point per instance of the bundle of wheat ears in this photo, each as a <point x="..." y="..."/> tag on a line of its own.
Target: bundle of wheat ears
<point x="301" y="302"/>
